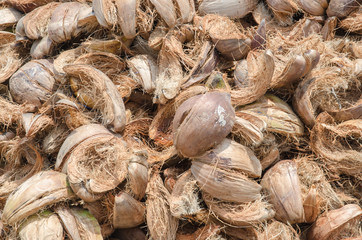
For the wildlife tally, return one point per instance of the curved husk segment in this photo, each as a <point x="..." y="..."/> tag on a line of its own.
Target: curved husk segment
<point x="167" y="11"/>
<point x="161" y="224"/>
<point x="282" y="184"/>
<point x="127" y="211"/>
<point x="6" y="38"/>
<point x="341" y="8"/>
<point x="225" y="185"/>
<point x="97" y="165"/>
<point x="41" y="190"/>
<point x="36" y="22"/>
<point x="353" y="23"/>
<point x="332" y="223"/>
<point x="137" y="175"/>
<point x="63" y="23"/>
<point x="214" y="111"/>
<point x="44" y="225"/>
<point x="144" y="70"/>
<point x="95" y="89"/>
<point x="11" y="112"/>
<point x="184" y="200"/>
<point x="42" y="48"/>
<point x="228" y="8"/>
<point x="338" y="145"/>
<point x="311" y="176"/>
<point x="232" y="155"/>
<point x="277" y="114"/>
<point x="9" y="62"/>
<point x="278" y="231"/>
<point x="283" y="10"/>
<point x="311" y="205"/>
<point x="33" y="83"/>
<point x="316" y="8"/>
<point x="79" y="223"/>
<point x="54" y="139"/>
<point x="35" y="123"/>
<point x="260" y="69"/>
<point x="228" y="39"/>
<point x="239" y="214"/>
<point x="249" y="128"/>
<point x="9" y="17"/>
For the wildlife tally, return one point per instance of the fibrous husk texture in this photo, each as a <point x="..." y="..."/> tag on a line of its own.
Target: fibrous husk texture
<point x="161" y="224"/>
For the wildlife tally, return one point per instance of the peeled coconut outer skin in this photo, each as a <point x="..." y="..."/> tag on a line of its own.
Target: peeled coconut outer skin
<point x="214" y="112"/>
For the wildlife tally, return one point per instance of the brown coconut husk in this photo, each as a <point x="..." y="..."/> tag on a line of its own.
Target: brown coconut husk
<point x="9" y="63"/>
<point x="249" y="129"/>
<point x="236" y="215"/>
<point x="283" y="10"/>
<point x="161" y="224"/>
<point x="54" y="139"/>
<point x="12" y="112"/>
<point x="338" y="145"/>
<point x="278" y="231"/>
<point x="6" y="38"/>
<point x="353" y="23"/>
<point x="208" y="232"/>
<point x="10" y="16"/>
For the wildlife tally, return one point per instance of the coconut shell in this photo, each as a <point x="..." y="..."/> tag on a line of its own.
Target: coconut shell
<point x="9" y="17"/>
<point x="258" y="78"/>
<point x="228" y="8"/>
<point x="137" y="174"/>
<point x="282" y="183"/>
<point x="210" y="109"/>
<point x="79" y="223"/>
<point x="112" y="106"/>
<point x="328" y="141"/>
<point x="341" y="8"/>
<point x="184" y="200"/>
<point x="127" y="211"/>
<point x="259" y="38"/>
<point x="33" y="83"/>
<point x="277" y="114"/>
<point x="330" y="224"/>
<point x="45" y="225"/>
<point x="232" y="155"/>
<point x="225" y="185"/>
<point x="329" y="28"/>
<point x="41" y="190"/>
<point x="237" y="214"/>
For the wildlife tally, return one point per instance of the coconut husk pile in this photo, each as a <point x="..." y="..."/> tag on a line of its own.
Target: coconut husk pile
<point x="180" y="120"/>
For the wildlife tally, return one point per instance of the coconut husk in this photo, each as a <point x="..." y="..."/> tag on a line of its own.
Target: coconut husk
<point x="311" y="205"/>
<point x="161" y="224"/>
<point x="41" y="190"/>
<point x="232" y="155"/>
<point x="249" y="128"/>
<point x="9" y="17"/>
<point x="225" y="185"/>
<point x="258" y="80"/>
<point x="130" y="234"/>
<point x="312" y="176"/>
<point x="236" y="214"/>
<point x="261" y="12"/>
<point x="110" y="156"/>
<point x="79" y="223"/>
<point x="33" y="83"/>
<point x="338" y="144"/>
<point x="229" y="8"/>
<point x="9" y="62"/>
<point x="259" y="38"/>
<point x="341" y="8"/>
<point x="208" y="232"/>
<point x="353" y="23"/>
<point x="89" y="84"/>
<point x="144" y="70"/>
<point x="170" y="72"/>
<point x="277" y="114"/>
<point x="195" y="111"/>
<point x="99" y="45"/>
<point x="166" y="10"/>
<point x="6" y="38"/>
<point x="63" y="24"/>
<point x="316" y="8"/>
<point x="332" y="223"/>
<point x="224" y="33"/>
<point x="243" y="233"/>
<point x="278" y="231"/>
<point x="43" y="225"/>
<point x="329" y="28"/>
<point x="27" y="5"/>
<point x="42" y="48"/>
<point x="283" y="10"/>
<point x="160" y="130"/>
<point x="204" y="66"/>
<point x="184" y="199"/>
<point x="33" y="124"/>
<point x="137" y="175"/>
<point x="127" y="211"/>
<point x="54" y="139"/>
<point x="11" y="112"/>
<point x="283" y="186"/>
